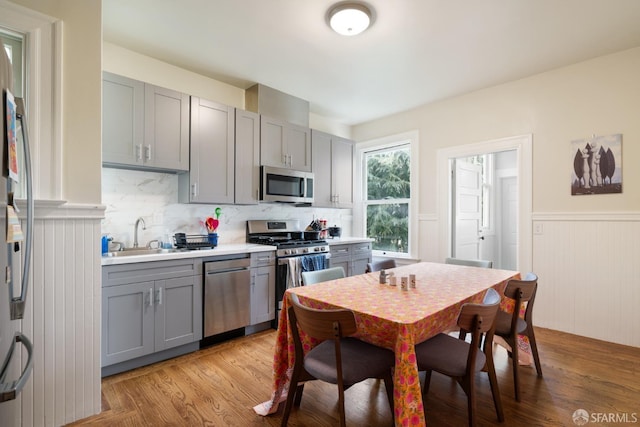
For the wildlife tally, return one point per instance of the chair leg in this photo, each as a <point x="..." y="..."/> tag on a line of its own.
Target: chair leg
<point x="534" y="350"/>
<point x="293" y="391"/>
<point x="298" y="394"/>
<point x="468" y="385"/>
<point x="493" y="381"/>
<point x="427" y="383"/>
<point x="388" y="385"/>
<point x="343" y="422"/>
<point x="514" y="363"/>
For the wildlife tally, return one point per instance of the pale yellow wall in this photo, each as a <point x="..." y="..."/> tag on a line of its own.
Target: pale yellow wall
<point x="131" y="64"/>
<point x="81" y="94"/>
<point x="599" y="96"/>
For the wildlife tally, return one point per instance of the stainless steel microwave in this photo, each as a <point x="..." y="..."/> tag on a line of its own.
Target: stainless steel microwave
<point x="285" y="185"/>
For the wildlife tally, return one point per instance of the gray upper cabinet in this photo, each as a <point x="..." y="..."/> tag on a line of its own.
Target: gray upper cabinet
<point x="144" y="126"/>
<point x="211" y="176"/>
<point x="284" y="145"/>
<point x="247" y="158"/>
<point x="333" y="170"/>
<point x="122" y="120"/>
<point x="166" y="129"/>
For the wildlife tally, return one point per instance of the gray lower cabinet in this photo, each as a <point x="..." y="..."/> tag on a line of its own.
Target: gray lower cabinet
<point x="352" y="257"/>
<point x="263" y="287"/>
<point x="148" y="309"/>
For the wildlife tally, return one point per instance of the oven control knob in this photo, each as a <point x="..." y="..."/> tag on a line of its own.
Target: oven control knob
<point x="305" y="250"/>
<point x="287" y="251"/>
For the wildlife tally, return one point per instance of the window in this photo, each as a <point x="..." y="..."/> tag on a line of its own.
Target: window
<point x="387" y="196"/>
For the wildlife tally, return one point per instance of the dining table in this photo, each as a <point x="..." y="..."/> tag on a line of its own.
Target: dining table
<point x="394" y="317"/>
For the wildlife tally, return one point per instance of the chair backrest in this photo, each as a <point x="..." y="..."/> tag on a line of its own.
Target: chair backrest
<point x="380" y="265"/>
<point x="317" y="276"/>
<point x="322" y="324"/>
<point x="479" y="320"/>
<point x="522" y="291"/>
<point x="469" y="262"/>
<point x="491" y="297"/>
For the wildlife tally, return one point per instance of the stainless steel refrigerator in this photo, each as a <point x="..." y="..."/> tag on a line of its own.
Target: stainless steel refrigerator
<point x="16" y="351"/>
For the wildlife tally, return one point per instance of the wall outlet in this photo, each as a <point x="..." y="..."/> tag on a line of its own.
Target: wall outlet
<point x="537" y="228"/>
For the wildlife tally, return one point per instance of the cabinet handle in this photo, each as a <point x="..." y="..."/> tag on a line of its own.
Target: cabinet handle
<point x="159" y="296"/>
<point x="139" y="152"/>
<point x="147" y="153"/>
<point x="290" y="160"/>
<point x="150" y="297"/>
<point x="342" y="250"/>
<point x="194" y="189"/>
<point x="284" y="159"/>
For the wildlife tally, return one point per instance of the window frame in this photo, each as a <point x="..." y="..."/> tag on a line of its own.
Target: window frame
<point x="360" y="212"/>
<point x="43" y="97"/>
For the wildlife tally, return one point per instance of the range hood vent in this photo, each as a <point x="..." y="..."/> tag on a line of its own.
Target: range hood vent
<point x="278" y="105"/>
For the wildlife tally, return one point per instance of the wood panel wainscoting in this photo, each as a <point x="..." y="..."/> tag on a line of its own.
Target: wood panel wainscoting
<point x="219" y="385"/>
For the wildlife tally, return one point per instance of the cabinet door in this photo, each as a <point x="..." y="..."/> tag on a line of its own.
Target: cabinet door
<point x="122" y="120"/>
<point x="127" y="322"/>
<point x="212" y="153"/>
<point x="263" y="294"/>
<point x="360" y="256"/>
<point x="247" y="158"/>
<point x="298" y="147"/>
<point x="166" y="139"/>
<point x="321" y="162"/>
<point x="342" y="172"/>
<point x="272" y="143"/>
<point x="178" y="312"/>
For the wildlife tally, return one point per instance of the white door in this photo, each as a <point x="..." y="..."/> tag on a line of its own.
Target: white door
<point x="509" y="223"/>
<point x="467" y="209"/>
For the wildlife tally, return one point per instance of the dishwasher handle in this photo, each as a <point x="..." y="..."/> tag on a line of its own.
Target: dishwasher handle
<point x="214" y="267"/>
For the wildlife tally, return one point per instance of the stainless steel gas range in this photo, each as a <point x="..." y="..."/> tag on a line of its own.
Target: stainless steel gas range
<point x="294" y="253"/>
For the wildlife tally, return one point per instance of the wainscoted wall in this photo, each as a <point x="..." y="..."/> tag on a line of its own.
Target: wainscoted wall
<point x="62" y="316"/>
<point x="154" y="197"/>
<point x="589" y="269"/>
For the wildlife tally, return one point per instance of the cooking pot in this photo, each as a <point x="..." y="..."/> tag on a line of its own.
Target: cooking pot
<point x="311" y="235"/>
<point x="335" y="231"/>
<point x="296" y="235"/>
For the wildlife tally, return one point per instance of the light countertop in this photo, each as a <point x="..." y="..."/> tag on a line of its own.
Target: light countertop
<point x="240" y="248"/>
<point x="347" y="240"/>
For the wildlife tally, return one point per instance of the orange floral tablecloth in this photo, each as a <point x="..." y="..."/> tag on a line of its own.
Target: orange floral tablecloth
<point x="390" y="317"/>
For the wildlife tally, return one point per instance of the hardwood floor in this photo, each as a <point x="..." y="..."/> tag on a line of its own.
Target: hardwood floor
<point x="219" y="385"/>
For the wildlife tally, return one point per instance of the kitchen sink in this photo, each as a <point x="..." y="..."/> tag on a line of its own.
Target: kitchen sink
<point x="140" y="251"/>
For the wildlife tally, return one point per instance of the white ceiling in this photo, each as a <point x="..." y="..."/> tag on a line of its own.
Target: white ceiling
<point x="416" y="52"/>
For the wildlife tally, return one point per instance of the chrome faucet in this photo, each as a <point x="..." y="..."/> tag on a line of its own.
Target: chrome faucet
<point x="135" y="231"/>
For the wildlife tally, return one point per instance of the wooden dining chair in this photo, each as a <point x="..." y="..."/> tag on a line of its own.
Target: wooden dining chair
<point x="469" y="262"/>
<point x="462" y="360"/>
<point x="380" y="265"/>
<point x="338" y="359"/>
<point x="510" y="325"/>
<point x="317" y="276"/>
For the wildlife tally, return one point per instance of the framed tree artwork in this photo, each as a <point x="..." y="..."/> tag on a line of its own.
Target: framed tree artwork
<point x="597" y="165"/>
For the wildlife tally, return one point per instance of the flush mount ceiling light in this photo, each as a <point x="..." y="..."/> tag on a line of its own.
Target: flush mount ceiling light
<point x="349" y="19"/>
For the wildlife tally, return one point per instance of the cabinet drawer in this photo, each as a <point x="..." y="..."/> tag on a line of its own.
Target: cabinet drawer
<point x="340" y="251"/>
<point x="260" y="259"/>
<point x="113" y="275"/>
<point x="359" y="250"/>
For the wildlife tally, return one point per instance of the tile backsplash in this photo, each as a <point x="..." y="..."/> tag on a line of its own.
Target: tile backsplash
<point x="129" y="194"/>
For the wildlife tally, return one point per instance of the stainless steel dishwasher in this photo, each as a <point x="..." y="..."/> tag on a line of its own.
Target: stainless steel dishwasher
<point x="227" y="286"/>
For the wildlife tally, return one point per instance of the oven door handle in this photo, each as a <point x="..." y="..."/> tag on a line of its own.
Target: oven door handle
<point x="283" y="261"/>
